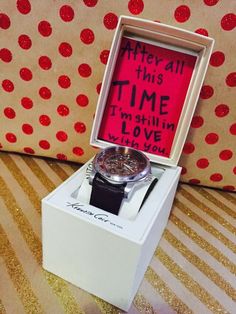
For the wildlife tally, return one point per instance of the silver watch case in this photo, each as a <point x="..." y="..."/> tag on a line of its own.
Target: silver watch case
<point x="132" y="182"/>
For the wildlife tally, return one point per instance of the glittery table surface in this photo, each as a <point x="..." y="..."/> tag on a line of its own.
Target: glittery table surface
<point x="192" y="271"/>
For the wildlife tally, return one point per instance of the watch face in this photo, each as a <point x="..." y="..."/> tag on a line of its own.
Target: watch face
<point x="121" y="164"/>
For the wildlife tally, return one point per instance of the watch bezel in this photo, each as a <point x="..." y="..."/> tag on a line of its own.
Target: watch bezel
<point x="117" y="178"/>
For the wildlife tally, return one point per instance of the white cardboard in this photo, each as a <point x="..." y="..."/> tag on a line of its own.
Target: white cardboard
<point x="102" y="253"/>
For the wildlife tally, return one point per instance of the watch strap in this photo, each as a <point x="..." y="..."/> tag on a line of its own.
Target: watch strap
<point x="105" y="195"/>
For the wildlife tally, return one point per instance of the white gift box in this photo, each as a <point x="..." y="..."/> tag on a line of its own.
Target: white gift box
<point x="105" y="254"/>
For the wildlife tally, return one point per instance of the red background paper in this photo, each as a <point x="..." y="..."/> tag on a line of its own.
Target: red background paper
<point x="149" y="72"/>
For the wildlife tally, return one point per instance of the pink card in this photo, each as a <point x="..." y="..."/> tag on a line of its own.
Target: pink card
<point x="146" y="96"/>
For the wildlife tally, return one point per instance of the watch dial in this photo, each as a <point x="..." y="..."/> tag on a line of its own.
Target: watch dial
<point x="121" y="162"/>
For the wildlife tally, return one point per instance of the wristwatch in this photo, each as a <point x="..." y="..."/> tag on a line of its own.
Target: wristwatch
<point x="116" y="171"/>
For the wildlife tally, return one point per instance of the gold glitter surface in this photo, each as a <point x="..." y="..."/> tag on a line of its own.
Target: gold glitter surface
<point x="142" y="305"/>
<point x="105" y="307"/>
<point x="204" y="224"/>
<point x="60" y="172"/>
<point x="21" y="221"/>
<point x="61" y="290"/>
<point x="200" y="264"/>
<point x="228" y="196"/>
<point x="189" y="282"/>
<point x="218" y="203"/>
<point x="2" y="308"/>
<point x="207" y="209"/>
<point x="34" y="167"/>
<point x="209" y="248"/>
<point x="22" y="181"/>
<point x="18" y="277"/>
<point x="166" y="293"/>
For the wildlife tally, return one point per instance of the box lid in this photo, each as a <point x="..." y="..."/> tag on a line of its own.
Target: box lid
<point x="150" y="88"/>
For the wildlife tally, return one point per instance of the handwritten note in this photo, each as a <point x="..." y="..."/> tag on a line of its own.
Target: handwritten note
<point x="146" y="96"/>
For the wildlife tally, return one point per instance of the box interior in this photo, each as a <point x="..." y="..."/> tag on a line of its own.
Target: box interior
<point x="64" y="199"/>
<point x="131" y="206"/>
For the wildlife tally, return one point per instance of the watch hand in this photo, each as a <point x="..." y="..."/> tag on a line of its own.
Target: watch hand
<point x="128" y="167"/>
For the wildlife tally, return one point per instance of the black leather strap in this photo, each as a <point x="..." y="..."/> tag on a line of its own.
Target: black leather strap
<point x="105" y="195"/>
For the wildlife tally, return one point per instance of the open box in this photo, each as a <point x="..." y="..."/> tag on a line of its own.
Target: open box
<point x="149" y="92"/>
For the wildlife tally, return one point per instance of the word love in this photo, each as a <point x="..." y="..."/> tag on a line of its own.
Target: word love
<point x="137" y="131"/>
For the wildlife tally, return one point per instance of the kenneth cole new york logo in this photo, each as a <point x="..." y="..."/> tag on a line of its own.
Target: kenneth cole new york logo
<point x="101" y="217"/>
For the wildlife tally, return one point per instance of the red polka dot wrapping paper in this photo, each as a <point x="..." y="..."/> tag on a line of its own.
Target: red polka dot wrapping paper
<point x="53" y="56"/>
